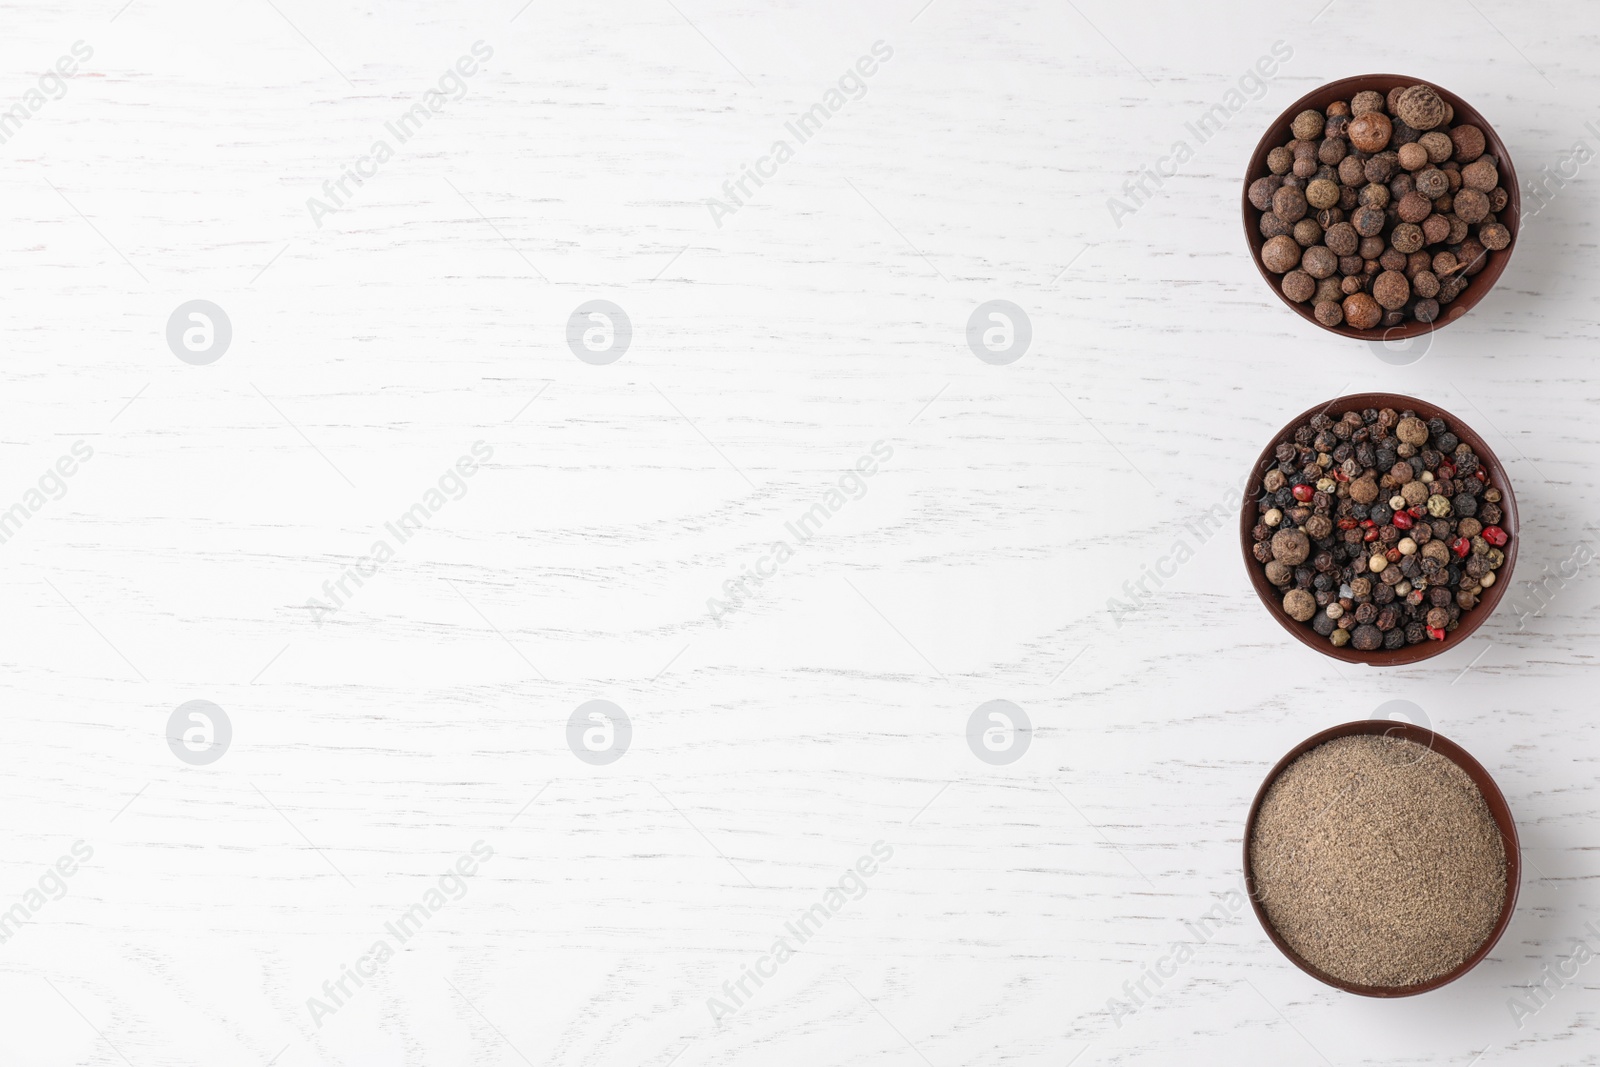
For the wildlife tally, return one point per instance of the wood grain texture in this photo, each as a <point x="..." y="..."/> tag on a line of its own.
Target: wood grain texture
<point x="769" y="353"/>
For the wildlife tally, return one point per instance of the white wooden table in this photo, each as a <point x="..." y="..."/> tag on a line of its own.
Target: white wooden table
<point x="378" y="339"/>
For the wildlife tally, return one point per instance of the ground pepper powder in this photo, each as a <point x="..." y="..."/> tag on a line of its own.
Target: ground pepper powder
<point x="1378" y="861"/>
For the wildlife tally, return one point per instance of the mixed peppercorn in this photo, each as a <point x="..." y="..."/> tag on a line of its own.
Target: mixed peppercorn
<point x="1380" y="529"/>
<point x="1378" y="210"/>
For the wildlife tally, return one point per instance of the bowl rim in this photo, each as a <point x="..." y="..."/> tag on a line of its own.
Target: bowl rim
<point x="1408" y="654"/>
<point x="1505" y="822"/>
<point x="1278" y="132"/>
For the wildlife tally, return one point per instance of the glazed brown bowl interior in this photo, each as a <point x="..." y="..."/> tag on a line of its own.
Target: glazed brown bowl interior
<point x="1492" y="797"/>
<point x="1470" y="620"/>
<point x="1278" y="133"/>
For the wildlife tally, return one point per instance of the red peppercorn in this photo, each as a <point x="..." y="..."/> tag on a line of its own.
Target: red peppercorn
<point x="1403" y="520"/>
<point x="1302" y="493"/>
<point x="1393" y="555"/>
<point x="1414" y="597"/>
<point x="1436" y="633"/>
<point x="1371" y="535"/>
<point x="1447" y="470"/>
<point x="1461" y="546"/>
<point x="1482" y="475"/>
<point x="1418" y="511"/>
<point x="1340" y="475"/>
<point x="1366" y="522"/>
<point x="1495" y="536"/>
<point x="1347" y="524"/>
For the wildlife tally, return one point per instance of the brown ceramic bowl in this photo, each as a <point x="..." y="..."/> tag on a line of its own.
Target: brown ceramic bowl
<point x="1491" y="797"/>
<point x="1278" y="133"/>
<point x="1470" y="621"/>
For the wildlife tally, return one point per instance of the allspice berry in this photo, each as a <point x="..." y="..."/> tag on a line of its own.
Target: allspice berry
<point x="1480" y="175"/>
<point x="1414" y="157"/>
<point x="1307" y="125"/>
<point x="1290" y="547"/>
<point x="1365" y="101"/>
<point x="1494" y="236"/>
<point x="1299" y="286"/>
<point x="1289" y="204"/>
<point x="1432" y="183"/>
<point x="1468" y="143"/>
<point x="1412" y="431"/>
<point x="1439" y="146"/>
<point x="1323" y="193"/>
<point x="1281" y="254"/>
<point x="1420" y="107"/>
<point x="1370" y="131"/>
<point x="1329" y="313"/>
<point x="1471" y="206"/>
<point x="1299" y="605"/>
<point x="1360" y="310"/>
<point x="1319" y="262"/>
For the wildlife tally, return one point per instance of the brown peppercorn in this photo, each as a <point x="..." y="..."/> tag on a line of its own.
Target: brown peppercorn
<point x="1467" y="143"/>
<point x="1323" y="193"/>
<point x="1328" y="312"/>
<point x="1289" y="204"/>
<point x="1414" y="157"/>
<point x="1298" y="286"/>
<point x="1472" y="206"/>
<point x="1480" y="175"/>
<point x="1370" y="131"/>
<point x="1431" y="183"/>
<point x="1367" y="220"/>
<point x="1362" y="311"/>
<point x="1319" y="262"/>
<point x="1418" y="107"/>
<point x="1366" y="101"/>
<point x="1281" y="254"/>
<point x="1494" y="236"/>
<point x="1406" y="238"/>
